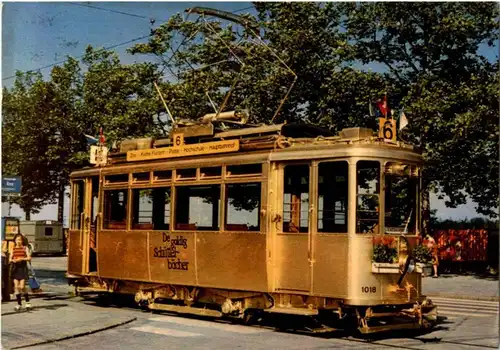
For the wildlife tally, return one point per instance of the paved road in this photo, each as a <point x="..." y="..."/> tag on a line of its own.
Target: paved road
<point x="459" y="285"/>
<point x="469" y="324"/>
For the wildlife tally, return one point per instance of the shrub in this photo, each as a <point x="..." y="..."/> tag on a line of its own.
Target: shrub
<point x="384" y="249"/>
<point x="422" y="254"/>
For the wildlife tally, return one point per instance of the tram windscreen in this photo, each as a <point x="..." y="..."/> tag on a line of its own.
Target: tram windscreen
<point x="368" y="189"/>
<point x="332" y="197"/>
<point x="401" y="203"/>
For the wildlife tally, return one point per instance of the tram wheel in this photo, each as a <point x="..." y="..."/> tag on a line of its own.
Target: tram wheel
<point x="143" y="305"/>
<point x="251" y="317"/>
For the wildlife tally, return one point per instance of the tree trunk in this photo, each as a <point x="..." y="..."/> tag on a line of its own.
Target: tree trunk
<point x="60" y="205"/>
<point x="28" y="214"/>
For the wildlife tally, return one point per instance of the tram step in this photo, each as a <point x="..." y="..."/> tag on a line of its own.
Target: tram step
<point x="323" y="329"/>
<point x="185" y="310"/>
<point x="389" y="327"/>
<point x="292" y="311"/>
<point x="385" y="314"/>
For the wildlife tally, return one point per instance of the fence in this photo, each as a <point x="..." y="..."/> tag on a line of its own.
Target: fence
<point x="462" y="245"/>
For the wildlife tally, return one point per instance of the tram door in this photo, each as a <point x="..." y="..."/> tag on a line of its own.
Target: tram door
<point x="82" y="256"/>
<point x="293" y="239"/>
<point x="80" y="225"/>
<point x="94" y="223"/>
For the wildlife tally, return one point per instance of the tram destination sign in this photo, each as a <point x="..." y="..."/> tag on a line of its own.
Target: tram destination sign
<point x="184" y="150"/>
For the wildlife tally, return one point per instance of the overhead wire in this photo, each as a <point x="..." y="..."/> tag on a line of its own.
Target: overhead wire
<point x="107" y="47"/>
<point x="79" y="57"/>
<point x="109" y="10"/>
<point x="174" y="52"/>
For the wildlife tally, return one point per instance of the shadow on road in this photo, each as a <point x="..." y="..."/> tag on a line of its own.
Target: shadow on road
<point x="36" y="308"/>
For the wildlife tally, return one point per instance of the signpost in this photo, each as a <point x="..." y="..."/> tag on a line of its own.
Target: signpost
<point x="11" y="187"/>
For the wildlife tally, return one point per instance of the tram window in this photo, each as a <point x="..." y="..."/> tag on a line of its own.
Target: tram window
<point x="78" y="192"/>
<point x="122" y="178"/>
<point x="246" y="169"/>
<point x="163" y="175"/>
<point x="94" y="209"/>
<point x="141" y="177"/>
<point x="400" y="203"/>
<point x="332" y="197"/>
<point x="211" y="172"/>
<point x="243" y="207"/>
<point x="185" y="174"/>
<point x="197" y="208"/>
<point x="368" y="188"/>
<point x="115" y="209"/>
<point x="296" y="199"/>
<point x="151" y="209"/>
<point x="49" y="231"/>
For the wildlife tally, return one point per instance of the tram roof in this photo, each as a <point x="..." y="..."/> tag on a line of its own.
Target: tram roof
<point x="274" y="142"/>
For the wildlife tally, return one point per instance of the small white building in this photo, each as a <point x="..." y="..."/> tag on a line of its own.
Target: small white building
<point x="44" y="236"/>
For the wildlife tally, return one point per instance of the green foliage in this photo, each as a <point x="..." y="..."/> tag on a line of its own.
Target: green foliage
<point x="422" y="254"/>
<point x="465" y="224"/>
<point x="430" y="50"/>
<point x="44" y="122"/>
<point x="384" y="254"/>
<point x="27" y="138"/>
<point x="448" y="90"/>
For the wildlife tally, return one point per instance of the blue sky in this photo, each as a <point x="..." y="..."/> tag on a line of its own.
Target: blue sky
<point x="35" y="35"/>
<point x="39" y="34"/>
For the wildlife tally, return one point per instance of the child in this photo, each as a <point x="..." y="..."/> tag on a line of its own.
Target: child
<point x="432" y="245"/>
<point x="19" y="258"/>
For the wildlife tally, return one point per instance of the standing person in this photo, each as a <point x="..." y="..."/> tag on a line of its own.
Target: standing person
<point x="432" y="245"/>
<point x="20" y="256"/>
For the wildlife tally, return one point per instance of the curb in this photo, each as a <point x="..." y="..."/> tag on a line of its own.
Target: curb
<point x="77" y="335"/>
<point x="462" y="297"/>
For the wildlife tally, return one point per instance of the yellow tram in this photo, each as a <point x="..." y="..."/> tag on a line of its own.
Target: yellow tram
<point x="278" y="218"/>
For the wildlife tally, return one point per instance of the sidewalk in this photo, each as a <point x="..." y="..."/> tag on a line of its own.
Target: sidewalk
<point x="461" y="287"/>
<point x="55" y="318"/>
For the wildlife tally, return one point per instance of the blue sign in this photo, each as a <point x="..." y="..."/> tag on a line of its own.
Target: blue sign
<point x="11" y="185"/>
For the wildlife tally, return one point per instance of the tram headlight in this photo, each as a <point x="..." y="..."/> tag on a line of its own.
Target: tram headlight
<point x="407" y="267"/>
<point x="411" y="266"/>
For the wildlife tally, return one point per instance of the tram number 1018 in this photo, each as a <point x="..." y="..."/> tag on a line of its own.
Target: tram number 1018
<point x="366" y="289"/>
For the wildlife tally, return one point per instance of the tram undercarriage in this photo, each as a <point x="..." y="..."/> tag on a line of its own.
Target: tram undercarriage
<point x="325" y="314"/>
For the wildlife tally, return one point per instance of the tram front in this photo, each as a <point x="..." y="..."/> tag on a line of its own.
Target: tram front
<point x="385" y="279"/>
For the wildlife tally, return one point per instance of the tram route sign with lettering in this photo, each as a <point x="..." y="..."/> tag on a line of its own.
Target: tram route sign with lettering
<point x="11" y="186"/>
<point x="387" y="129"/>
<point x="184" y="150"/>
<point x="98" y="155"/>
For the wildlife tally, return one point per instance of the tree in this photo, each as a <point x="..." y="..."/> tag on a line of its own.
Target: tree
<point x="433" y="71"/>
<point x="449" y="90"/>
<point x="120" y="98"/>
<point x="214" y="55"/>
<point x="27" y="139"/>
<point x="44" y="122"/>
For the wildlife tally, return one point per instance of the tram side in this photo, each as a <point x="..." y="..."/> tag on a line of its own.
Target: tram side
<point x="192" y="224"/>
<point x="287" y="231"/>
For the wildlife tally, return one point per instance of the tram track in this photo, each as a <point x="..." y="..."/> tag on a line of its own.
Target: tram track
<point x="295" y="329"/>
<point x="380" y="342"/>
<point x="77" y="335"/>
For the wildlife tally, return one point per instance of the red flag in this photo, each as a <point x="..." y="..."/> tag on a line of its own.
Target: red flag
<point x="101" y="136"/>
<point x="382" y="105"/>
